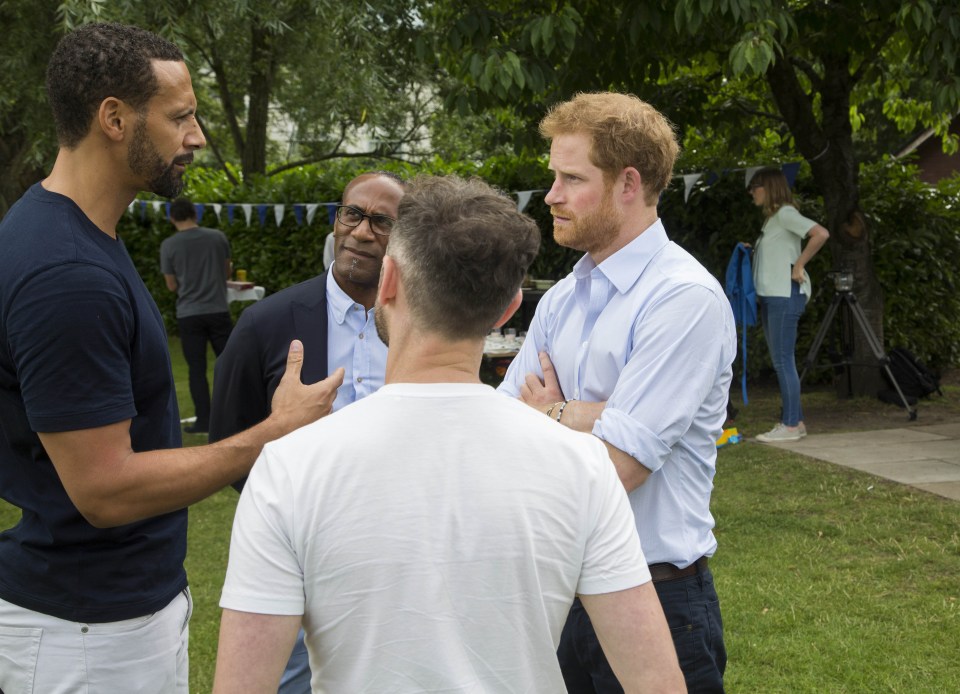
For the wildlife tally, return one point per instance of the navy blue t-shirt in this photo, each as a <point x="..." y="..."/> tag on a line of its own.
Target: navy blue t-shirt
<point x="82" y="345"/>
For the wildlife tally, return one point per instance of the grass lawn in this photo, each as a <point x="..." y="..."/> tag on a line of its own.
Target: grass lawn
<point x="831" y="580"/>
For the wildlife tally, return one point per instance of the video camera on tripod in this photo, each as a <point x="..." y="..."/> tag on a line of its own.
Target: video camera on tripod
<point x="843" y="284"/>
<point x="842" y="280"/>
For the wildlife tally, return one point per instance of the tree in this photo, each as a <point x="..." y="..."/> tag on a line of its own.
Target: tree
<point x="26" y="127"/>
<point x="825" y="71"/>
<point x="321" y="71"/>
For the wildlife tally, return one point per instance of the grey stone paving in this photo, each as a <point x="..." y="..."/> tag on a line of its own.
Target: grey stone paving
<point x="925" y="457"/>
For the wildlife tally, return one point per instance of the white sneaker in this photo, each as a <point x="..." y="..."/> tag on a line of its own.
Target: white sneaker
<point x="802" y="429"/>
<point x="780" y="434"/>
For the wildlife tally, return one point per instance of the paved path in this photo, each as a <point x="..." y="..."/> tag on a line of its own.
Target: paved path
<point x="925" y="457"/>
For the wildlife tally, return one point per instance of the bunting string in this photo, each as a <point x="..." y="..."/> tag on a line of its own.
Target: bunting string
<point x="306" y="212"/>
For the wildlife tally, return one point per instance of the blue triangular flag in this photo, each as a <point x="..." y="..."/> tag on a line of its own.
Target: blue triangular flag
<point x="790" y="172"/>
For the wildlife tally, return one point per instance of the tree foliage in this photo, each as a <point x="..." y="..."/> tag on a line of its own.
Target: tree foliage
<point x="26" y="128"/>
<point x="332" y="79"/>
<point x="818" y="78"/>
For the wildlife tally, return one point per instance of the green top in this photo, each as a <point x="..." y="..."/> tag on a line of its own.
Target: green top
<point x="777" y="250"/>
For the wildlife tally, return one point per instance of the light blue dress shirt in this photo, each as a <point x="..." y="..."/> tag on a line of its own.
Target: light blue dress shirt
<point x="353" y="343"/>
<point x="650" y="332"/>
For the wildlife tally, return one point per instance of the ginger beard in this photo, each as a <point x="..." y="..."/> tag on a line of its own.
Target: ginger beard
<point x="593" y="230"/>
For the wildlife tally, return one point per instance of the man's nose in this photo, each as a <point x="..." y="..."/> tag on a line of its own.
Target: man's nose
<point x="194" y="138"/>
<point x="364" y="229"/>
<point x="553" y="195"/>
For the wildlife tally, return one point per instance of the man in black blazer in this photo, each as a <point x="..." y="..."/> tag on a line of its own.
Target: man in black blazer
<point x="332" y="315"/>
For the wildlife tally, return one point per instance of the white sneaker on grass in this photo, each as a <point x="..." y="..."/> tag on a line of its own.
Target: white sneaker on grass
<point x="780" y="434"/>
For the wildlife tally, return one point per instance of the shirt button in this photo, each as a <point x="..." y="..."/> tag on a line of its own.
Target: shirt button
<point x="84" y="629"/>
<point x="360" y="336"/>
<point x="359" y="379"/>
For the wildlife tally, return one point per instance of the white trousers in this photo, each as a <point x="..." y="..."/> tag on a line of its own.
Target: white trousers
<point x="40" y="654"/>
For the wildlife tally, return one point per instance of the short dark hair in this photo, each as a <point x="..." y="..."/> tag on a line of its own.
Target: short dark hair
<point x="182" y="209"/>
<point x="462" y="249"/>
<point x="97" y="61"/>
<point x="369" y="174"/>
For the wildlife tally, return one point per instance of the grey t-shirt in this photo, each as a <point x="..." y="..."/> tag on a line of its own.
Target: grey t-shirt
<point x="198" y="258"/>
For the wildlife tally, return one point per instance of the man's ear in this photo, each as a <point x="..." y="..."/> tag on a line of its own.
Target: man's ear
<point x="115" y="118"/>
<point x="389" y="277"/>
<point x="511" y="309"/>
<point x="632" y="183"/>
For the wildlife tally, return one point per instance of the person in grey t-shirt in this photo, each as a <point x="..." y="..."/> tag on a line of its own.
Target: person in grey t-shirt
<point x="195" y="262"/>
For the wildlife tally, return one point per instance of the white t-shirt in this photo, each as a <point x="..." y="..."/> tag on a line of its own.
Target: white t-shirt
<point x="434" y="537"/>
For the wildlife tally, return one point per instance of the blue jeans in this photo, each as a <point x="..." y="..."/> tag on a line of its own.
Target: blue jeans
<point x="296" y="676"/>
<point x="692" y="610"/>
<point x="780" y="316"/>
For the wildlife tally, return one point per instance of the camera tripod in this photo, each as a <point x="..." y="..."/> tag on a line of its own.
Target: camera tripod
<point x="847" y="297"/>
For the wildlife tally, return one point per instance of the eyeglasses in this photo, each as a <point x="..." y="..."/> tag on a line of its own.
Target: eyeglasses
<point x="353" y="217"/>
<point x="754" y="186"/>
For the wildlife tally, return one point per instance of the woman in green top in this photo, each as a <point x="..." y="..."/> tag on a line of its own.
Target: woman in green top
<point x="783" y="288"/>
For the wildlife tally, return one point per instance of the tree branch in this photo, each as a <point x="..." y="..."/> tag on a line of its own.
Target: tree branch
<point x="212" y="144"/>
<point x="223" y="88"/>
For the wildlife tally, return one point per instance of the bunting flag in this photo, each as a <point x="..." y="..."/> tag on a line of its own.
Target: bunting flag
<point x="523" y="198"/>
<point x="305" y="212"/>
<point x="689" y="181"/>
<point x="790" y="171"/>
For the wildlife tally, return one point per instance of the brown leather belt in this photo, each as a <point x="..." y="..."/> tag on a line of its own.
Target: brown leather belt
<point x="669" y="572"/>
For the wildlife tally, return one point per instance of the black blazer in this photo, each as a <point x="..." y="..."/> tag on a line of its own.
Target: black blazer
<point x="249" y="369"/>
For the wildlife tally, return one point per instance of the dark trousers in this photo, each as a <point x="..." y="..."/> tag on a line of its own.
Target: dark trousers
<point x="195" y="333"/>
<point x="693" y="615"/>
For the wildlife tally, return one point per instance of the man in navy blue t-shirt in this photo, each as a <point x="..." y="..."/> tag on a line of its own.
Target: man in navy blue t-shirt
<point x="93" y="595"/>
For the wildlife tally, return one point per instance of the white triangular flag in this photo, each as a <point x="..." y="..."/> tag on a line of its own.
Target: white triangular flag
<point x="247" y="211"/>
<point x="216" y="209"/>
<point x="156" y="206"/>
<point x="748" y="175"/>
<point x="311" y="211"/>
<point x="689" y="180"/>
<point x="523" y="197"/>
<point x="278" y="213"/>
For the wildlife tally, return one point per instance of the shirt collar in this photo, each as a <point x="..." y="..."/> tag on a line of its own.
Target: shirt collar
<point x="624" y="268"/>
<point x="338" y="303"/>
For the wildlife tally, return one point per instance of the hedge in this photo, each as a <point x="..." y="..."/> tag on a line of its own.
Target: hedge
<point x="916" y="233"/>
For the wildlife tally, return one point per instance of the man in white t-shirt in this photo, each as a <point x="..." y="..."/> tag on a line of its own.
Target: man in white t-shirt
<point x="432" y="536"/>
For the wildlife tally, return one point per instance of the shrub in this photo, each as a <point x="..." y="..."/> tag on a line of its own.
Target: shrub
<point x="916" y="238"/>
